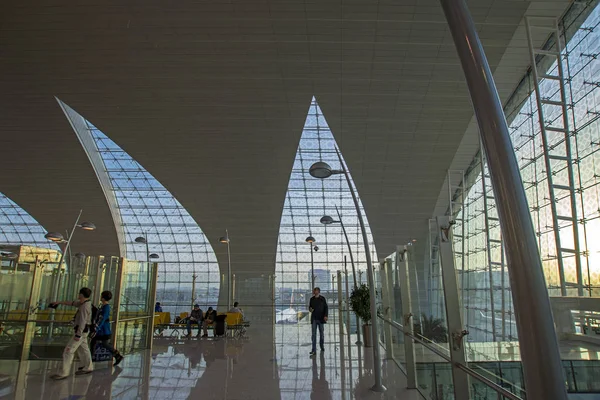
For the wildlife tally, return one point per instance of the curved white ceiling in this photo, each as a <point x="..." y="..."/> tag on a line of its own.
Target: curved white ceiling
<point x="212" y="97"/>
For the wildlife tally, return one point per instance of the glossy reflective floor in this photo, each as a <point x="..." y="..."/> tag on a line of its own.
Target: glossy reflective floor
<point x="272" y="363"/>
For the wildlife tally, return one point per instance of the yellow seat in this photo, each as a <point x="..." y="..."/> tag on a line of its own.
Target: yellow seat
<point x="162" y="318"/>
<point x="233" y="319"/>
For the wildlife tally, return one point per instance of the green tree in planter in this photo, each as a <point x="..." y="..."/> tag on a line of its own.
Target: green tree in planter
<point x="433" y="329"/>
<point x="360" y="302"/>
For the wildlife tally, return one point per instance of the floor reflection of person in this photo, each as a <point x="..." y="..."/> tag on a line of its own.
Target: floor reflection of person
<point x="320" y="386"/>
<point x="101" y="385"/>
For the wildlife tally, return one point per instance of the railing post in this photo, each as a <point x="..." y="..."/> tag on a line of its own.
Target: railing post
<point x="409" y="345"/>
<point x="456" y="332"/>
<point x="151" y="301"/>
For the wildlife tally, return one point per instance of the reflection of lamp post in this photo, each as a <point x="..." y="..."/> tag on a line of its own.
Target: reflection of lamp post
<point x="327" y="220"/>
<point x="310" y="240"/>
<point x="142" y="240"/>
<point x="322" y="170"/>
<point x="225" y="240"/>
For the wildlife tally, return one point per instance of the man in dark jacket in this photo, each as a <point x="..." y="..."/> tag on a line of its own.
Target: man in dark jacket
<point x="320" y="312"/>
<point x="195" y="318"/>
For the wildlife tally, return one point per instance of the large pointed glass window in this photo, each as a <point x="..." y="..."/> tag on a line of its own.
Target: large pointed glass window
<point x="17" y="227"/>
<point x="306" y="201"/>
<point x="142" y="207"/>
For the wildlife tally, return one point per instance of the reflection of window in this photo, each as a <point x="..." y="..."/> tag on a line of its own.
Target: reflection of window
<point x="141" y="206"/>
<point x="307" y="200"/>
<point x="17" y="227"/>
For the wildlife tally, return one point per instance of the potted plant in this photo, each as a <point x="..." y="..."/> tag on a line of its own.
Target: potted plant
<point x="360" y="302"/>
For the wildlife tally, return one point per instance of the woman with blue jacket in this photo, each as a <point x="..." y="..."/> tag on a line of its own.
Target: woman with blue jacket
<point x="103" y="332"/>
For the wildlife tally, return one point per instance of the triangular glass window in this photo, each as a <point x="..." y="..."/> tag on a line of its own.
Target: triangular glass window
<point x="142" y="207"/>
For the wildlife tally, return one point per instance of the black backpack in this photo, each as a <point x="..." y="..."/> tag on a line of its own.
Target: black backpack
<point x="94" y="325"/>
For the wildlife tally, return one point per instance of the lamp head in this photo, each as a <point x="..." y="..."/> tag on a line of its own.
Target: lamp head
<point x="224" y="239"/>
<point x="153" y="256"/>
<point x="320" y="170"/>
<point x="310" y="239"/>
<point x="327" y="220"/>
<point x="87" y="226"/>
<point x="54" y="236"/>
<point x="140" y="239"/>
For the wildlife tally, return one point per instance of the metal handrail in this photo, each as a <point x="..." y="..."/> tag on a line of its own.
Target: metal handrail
<point x="135" y="318"/>
<point x="494" y="386"/>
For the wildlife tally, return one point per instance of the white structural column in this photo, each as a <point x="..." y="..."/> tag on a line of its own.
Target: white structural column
<point x="407" y="320"/>
<point x="456" y="332"/>
<point x="542" y="368"/>
<point x="386" y="303"/>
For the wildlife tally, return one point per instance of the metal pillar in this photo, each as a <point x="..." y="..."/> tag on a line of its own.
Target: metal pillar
<point x="542" y="367"/>
<point x="348" y="305"/>
<point x="456" y="332"/>
<point x="409" y="346"/>
<point x="312" y="268"/>
<point x="386" y="300"/>
<point x="228" y="271"/>
<point x="389" y="271"/>
<point x="378" y="386"/>
<point x="151" y="301"/>
<point x="488" y="244"/>
<point x="358" y="341"/>
<point x="32" y="309"/>
<point x="340" y="307"/>
<point x="194" y="277"/>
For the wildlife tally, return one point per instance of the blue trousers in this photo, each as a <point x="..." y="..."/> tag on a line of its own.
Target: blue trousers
<point x="189" y="326"/>
<point x="316" y="324"/>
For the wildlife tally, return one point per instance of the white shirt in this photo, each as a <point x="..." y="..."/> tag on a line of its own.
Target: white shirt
<point x="237" y="310"/>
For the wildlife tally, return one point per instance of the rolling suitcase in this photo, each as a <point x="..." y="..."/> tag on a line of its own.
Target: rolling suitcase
<point x="220" y="325"/>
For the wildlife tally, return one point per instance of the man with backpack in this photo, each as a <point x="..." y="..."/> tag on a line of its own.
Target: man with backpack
<point x="102" y="330"/>
<point x="78" y="342"/>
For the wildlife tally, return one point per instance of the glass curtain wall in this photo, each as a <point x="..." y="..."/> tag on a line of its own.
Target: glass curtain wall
<point x="143" y="207"/>
<point x="485" y="290"/>
<point x="17" y="227"/>
<point x="306" y="201"/>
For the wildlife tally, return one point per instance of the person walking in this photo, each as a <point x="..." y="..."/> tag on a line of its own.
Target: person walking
<point x="103" y="332"/>
<point x="320" y="312"/>
<point x="78" y="342"/>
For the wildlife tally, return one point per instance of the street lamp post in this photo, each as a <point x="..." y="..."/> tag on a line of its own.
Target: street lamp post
<point x="322" y="170"/>
<point x="225" y="240"/>
<point x="310" y="240"/>
<point x="327" y="220"/>
<point x="57" y="237"/>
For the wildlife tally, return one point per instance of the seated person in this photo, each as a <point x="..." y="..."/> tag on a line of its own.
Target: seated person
<point x="237" y="310"/>
<point x="209" y="318"/>
<point x="158" y="307"/>
<point x="195" y="318"/>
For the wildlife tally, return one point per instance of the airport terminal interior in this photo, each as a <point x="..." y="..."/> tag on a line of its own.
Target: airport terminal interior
<point x="300" y="199"/>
